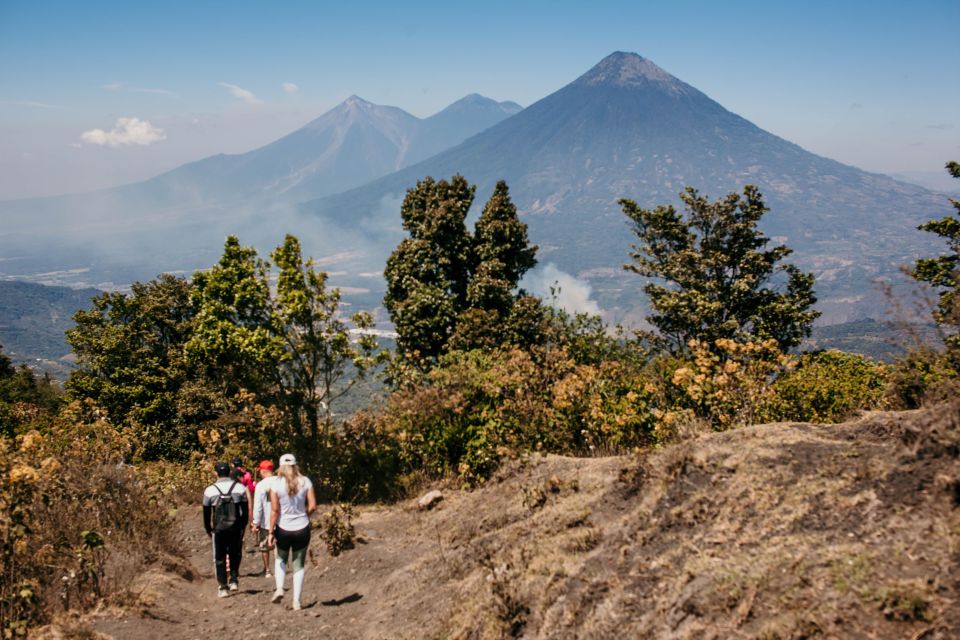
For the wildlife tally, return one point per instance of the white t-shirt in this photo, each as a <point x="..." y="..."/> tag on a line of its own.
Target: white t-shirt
<point x="261" y="502"/>
<point x="239" y="491"/>
<point x="293" y="509"/>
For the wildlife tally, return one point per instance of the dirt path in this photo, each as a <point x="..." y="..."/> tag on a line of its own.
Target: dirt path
<point x="338" y="594"/>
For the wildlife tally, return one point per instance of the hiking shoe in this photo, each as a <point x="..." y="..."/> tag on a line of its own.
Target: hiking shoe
<point x="296" y="605"/>
<point x="234" y="586"/>
<point x="277" y="596"/>
<point x="223" y="592"/>
<point x="267" y="574"/>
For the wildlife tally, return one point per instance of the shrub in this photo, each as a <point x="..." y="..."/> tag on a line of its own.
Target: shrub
<point x="477" y="407"/>
<point x="76" y="524"/>
<point x="827" y="386"/>
<point x="728" y="382"/>
<point x="922" y="376"/>
<point x="362" y="462"/>
<point x="336" y="529"/>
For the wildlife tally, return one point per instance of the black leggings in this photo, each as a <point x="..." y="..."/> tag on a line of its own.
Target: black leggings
<point x="295" y="540"/>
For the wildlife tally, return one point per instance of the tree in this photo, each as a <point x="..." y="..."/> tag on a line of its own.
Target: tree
<point x="316" y="340"/>
<point x="943" y="272"/>
<point x="131" y="362"/>
<point x="713" y="277"/>
<point x="234" y="341"/>
<point x="450" y="289"/>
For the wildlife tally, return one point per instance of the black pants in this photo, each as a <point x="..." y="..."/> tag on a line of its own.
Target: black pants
<point x="227" y="544"/>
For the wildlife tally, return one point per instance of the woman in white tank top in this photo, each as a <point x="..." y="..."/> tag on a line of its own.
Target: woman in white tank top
<point x="292" y="501"/>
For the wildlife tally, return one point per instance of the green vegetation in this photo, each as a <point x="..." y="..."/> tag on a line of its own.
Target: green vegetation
<point x="448" y="289"/>
<point x="943" y="272"/>
<point x="24" y="396"/>
<point x="719" y="279"/>
<point x="249" y="358"/>
<point x="828" y="386"/>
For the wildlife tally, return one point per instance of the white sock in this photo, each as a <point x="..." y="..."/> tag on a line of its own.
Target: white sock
<point x="279" y="573"/>
<point x="298" y="584"/>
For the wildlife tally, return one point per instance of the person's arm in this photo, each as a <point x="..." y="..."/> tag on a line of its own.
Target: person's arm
<point x="243" y="508"/>
<point x="311" y="501"/>
<point x="274" y="515"/>
<point x="207" y="517"/>
<point x="257" y="508"/>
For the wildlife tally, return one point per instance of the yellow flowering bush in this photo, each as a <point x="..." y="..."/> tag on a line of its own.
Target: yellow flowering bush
<point x="76" y="522"/>
<point x="730" y="382"/>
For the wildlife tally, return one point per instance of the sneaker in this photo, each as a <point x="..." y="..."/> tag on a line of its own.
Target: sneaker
<point x="223" y="592"/>
<point x="267" y="574"/>
<point x="296" y="605"/>
<point x="277" y="596"/>
<point x="234" y="586"/>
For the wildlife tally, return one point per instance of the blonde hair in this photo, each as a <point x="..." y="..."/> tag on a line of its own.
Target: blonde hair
<point x="290" y="473"/>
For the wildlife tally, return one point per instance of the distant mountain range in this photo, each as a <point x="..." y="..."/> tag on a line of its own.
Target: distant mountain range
<point x="177" y="220"/>
<point x="350" y="145"/>
<point x="626" y="128"/>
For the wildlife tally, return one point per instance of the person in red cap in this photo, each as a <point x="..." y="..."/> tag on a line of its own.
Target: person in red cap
<point x="260" y="524"/>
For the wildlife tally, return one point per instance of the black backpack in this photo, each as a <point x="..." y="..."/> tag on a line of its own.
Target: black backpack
<point x="226" y="512"/>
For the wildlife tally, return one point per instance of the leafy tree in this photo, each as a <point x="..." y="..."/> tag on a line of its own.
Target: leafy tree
<point x="943" y="272"/>
<point x="450" y="289"/>
<point x="713" y="277"/>
<point x="130" y="360"/>
<point x="234" y="341"/>
<point x="427" y="273"/>
<point x="6" y="367"/>
<point x="19" y="385"/>
<point x="317" y="342"/>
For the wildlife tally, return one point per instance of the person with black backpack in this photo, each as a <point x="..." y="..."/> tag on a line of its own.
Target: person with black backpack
<point x="225" y="517"/>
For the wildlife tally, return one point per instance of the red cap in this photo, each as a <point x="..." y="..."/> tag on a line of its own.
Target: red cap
<point x="266" y="465"/>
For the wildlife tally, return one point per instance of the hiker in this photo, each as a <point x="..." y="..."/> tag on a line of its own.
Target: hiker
<point x="292" y="501"/>
<point x="243" y="476"/>
<point x="225" y="515"/>
<point x="260" y="525"/>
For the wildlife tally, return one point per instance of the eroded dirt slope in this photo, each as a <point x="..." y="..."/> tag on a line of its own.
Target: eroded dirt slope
<point x="773" y="531"/>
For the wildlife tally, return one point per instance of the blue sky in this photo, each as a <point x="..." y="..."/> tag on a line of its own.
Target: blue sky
<point x="873" y="84"/>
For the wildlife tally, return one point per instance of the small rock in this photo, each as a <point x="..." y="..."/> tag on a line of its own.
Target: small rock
<point x="429" y="500"/>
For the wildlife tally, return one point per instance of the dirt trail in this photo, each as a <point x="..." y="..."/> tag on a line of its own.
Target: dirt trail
<point x="338" y="592"/>
<point x="782" y="531"/>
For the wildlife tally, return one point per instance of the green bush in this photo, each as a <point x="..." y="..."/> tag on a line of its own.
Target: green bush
<point x="828" y="386"/>
<point x="477" y="407"/>
<point x="922" y="376"/>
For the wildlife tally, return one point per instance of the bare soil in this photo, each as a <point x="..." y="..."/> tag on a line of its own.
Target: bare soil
<point x="782" y="531"/>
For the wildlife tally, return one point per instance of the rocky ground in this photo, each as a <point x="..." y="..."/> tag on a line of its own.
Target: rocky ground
<point x="768" y="532"/>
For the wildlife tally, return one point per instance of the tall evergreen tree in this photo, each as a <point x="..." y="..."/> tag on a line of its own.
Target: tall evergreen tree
<point x="450" y="289"/>
<point x="712" y="276"/>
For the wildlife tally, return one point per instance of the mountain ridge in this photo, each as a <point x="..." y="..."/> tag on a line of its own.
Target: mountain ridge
<point x="571" y="155"/>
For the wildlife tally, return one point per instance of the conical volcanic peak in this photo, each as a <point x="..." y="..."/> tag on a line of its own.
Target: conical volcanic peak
<point x="629" y="70"/>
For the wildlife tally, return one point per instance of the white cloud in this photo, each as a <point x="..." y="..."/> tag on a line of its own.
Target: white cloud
<point x="126" y="131"/>
<point x="289" y="87"/>
<point x="240" y="92"/>
<point x="561" y="290"/>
